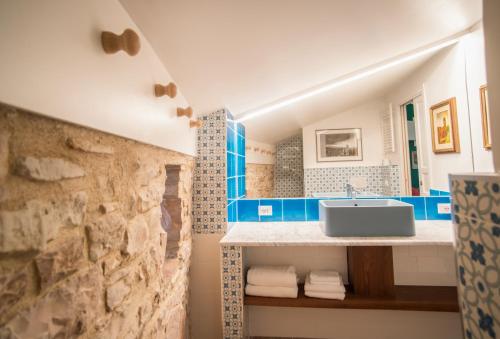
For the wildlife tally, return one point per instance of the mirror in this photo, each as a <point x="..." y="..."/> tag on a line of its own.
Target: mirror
<point x="399" y="132"/>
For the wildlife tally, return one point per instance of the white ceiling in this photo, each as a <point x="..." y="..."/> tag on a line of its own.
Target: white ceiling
<point x="244" y="54"/>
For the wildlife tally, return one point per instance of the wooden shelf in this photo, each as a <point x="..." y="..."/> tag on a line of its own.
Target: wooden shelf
<point x="408" y="298"/>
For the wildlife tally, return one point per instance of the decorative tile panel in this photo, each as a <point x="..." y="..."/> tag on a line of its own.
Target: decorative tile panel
<point x="289" y="168"/>
<point x="476" y="210"/>
<point x="210" y="194"/>
<point x="232" y="292"/>
<point x="382" y="180"/>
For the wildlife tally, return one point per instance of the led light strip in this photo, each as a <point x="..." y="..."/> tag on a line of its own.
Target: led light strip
<point x="377" y="68"/>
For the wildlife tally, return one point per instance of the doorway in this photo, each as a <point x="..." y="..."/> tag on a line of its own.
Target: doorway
<point x="415" y="169"/>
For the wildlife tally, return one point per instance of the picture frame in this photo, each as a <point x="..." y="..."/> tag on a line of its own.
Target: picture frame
<point x="344" y="144"/>
<point x="444" y="127"/>
<point x="485" y="116"/>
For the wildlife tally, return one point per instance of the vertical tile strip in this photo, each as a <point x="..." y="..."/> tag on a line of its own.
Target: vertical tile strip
<point x="232" y="292"/>
<point x="209" y="182"/>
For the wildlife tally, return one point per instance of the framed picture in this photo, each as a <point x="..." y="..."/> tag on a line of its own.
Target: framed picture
<point x="444" y="127"/>
<point x="485" y="115"/>
<point x="339" y="145"/>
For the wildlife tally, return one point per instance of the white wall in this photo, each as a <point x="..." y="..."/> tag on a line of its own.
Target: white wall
<point x="367" y="117"/>
<point x="492" y="44"/>
<point x="52" y="63"/>
<point x="259" y="152"/>
<point x="476" y="77"/>
<point x="441" y="78"/>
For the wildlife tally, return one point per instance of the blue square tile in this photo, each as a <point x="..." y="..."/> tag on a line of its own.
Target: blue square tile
<point x="231" y="188"/>
<point x="277" y="210"/>
<point x="241" y="129"/>
<point x="444" y="194"/>
<point x="231" y="211"/>
<point x="241" y="165"/>
<point x="231" y="140"/>
<point x="418" y="206"/>
<point x="248" y="210"/>
<point x="431" y="206"/>
<point x="433" y="192"/>
<point x="241" y="145"/>
<point x="230" y="164"/>
<point x="312" y="209"/>
<point x="294" y="210"/>
<point x="241" y="187"/>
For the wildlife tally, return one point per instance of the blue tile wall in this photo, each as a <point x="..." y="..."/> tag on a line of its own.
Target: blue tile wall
<point x="312" y="209"/>
<point x="431" y="206"/>
<point x="277" y="205"/>
<point x="418" y="206"/>
<point x="235" y="159"/>
<point x="435" y="193"/>
<point x="292" y="209"/>
<point x="231" y="164"/>
<point x="248" y="210"/>
<point x="231" y="211"/>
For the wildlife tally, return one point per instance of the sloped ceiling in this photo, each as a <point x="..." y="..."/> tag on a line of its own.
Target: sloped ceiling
<point x="244" y="54"/>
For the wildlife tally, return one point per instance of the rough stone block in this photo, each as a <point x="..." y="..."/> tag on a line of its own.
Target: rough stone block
<point x="116" y="294"/>
<point x="30" y="229"/>
<point x="136" y="236"/>
<point x="64" y="312"/>
<point x="13" y="287"/>
<point x="61" y="261"/>
<point x="88" y="146"/>
<point x="108" y="207"/>
<point x="149" y="197"/>
<point x="106" y="234"/>
<point x="47" y="169"/>
<point x="4" y="154"/>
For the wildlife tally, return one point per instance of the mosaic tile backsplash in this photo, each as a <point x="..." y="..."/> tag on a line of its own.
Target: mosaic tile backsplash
<point x="381" y="180"/>
<point x="476" y="218"/>
<point x="307" y="209"/>
<point x="289" y="170"/>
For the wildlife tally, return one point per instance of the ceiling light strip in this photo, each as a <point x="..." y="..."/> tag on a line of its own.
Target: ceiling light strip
<point x="354" y="76"/>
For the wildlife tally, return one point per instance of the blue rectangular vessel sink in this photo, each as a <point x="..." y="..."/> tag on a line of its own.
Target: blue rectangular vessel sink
<point x="366" y="218"/>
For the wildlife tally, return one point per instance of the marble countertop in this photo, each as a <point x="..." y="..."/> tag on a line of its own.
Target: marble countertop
<point x="428" y="232"/>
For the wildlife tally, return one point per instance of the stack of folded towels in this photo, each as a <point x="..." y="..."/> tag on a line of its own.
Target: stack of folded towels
<point x="324" y="284"/>
<point x="272" y="281"/>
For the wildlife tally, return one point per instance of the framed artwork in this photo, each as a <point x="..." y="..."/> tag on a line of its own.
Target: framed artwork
<point x="339" y="145"/>
<point x="485" y="116"/>
<point x="444" y="127"/>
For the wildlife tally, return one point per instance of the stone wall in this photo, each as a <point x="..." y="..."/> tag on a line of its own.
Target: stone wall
<point x="85" y="218"/>
<point x="260" y="180"/>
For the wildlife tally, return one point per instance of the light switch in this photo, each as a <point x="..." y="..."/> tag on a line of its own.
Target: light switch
<point x="444" y="208"/>
<point x="265" y="210"/>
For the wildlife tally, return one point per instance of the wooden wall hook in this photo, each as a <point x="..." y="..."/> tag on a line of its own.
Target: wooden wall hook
<point x="195" y="123"/>
<point x="128" y="41"/>
<point x="170" y="90"/>
<point x="187" y="112"/>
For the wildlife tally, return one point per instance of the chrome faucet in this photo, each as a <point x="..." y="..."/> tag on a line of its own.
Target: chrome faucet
<point x="350" y="191"/>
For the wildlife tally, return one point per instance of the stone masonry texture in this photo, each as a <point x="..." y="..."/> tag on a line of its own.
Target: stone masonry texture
<point x="260" y="180"/>
<point x="83" y="253"/>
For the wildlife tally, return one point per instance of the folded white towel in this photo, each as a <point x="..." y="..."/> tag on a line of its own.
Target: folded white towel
<point x="328" y="288"/>
<point x="272" y="291"/>
<point x="319" y="277"/>
<point x="280" y="276"/>
<point x="325" y="295"/>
